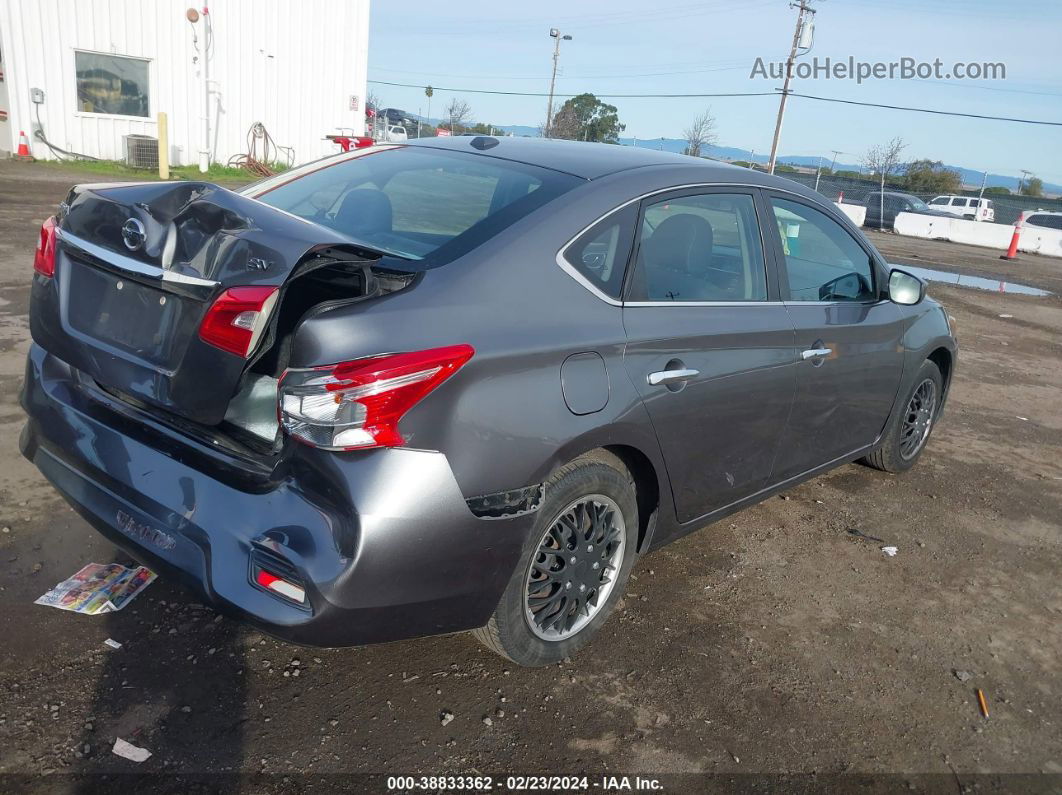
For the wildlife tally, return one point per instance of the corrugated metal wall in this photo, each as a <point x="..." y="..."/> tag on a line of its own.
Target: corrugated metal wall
<point x="291" y="64"/>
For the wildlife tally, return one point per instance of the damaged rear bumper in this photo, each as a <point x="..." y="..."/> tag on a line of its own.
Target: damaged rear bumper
<point x="383" y="541"/>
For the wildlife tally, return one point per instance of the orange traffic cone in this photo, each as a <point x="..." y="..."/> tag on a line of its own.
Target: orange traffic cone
<point x="23" y="152"/>
<point x="1012" y="252"/>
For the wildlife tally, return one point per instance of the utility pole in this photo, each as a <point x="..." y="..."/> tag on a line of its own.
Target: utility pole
<point x="752" y="159"/>
<point x="1021" y="182"/>
<point x="556" y="35"/>
<point x="802" y="16"/>
<point x="818" y="171"/>
<point x="833" y="164"/>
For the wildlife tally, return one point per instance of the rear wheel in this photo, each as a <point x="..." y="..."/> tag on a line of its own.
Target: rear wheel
<point x="909" y="429"/>
<point x="574" y="568"/>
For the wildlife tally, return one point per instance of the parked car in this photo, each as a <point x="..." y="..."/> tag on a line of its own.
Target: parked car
<point x="894" y="204"/>
<point x="1044" y="219"/>
<point x="969" y="207"/>
<point x="460" y="384"/>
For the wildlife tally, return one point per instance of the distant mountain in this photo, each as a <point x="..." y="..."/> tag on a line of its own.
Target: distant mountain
<point x="970" y="177"/>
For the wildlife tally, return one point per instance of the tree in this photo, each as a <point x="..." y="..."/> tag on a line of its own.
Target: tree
<point x="458" y="111"/>
<point x="372" y="101"/>
<point x="586" y="118"/>
<point x="1034" y="187"/>
<point x="931" y="176"/>
<point x="882" y="160"/>
<point x="997" y="190"/>
<point x="700" y="134"/>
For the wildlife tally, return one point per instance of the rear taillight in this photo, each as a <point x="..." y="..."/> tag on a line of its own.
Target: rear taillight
<point x="44" y="256"/>
<point x="358" y="404"/>
<point x="236" y="321"/>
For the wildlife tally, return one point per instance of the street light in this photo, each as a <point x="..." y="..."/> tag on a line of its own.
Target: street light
<point x="555" y="34"/>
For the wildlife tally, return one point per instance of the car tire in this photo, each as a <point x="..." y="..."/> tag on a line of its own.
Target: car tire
<point x="908" y="431"/>
<point x="591" y="500"/>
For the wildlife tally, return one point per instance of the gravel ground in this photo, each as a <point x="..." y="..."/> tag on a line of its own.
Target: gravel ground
<point x="771" y="644"/>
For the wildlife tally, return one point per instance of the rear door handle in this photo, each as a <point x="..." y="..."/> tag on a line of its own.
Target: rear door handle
<point x="813" y="353"/>
<point x="662" y="377"/>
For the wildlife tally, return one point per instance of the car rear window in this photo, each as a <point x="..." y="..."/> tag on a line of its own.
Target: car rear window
<point x="419" y="205"/>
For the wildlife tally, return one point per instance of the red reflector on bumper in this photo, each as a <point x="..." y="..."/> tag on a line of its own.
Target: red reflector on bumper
<point x="288" y="590"/>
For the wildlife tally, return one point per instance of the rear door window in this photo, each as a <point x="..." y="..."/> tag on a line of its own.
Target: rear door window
<point x="700" y="248"/>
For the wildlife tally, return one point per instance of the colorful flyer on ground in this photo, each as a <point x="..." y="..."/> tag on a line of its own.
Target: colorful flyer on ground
<point x="98" y="588"/>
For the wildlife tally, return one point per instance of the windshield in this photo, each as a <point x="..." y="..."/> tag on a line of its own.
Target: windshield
<point x="415" y="203"/>
<point x="918" y="204"/>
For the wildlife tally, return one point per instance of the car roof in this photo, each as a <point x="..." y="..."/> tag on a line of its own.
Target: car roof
<point x="587" y="160"/>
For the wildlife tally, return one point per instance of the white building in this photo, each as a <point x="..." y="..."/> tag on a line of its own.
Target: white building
<point x="108" y="67"/>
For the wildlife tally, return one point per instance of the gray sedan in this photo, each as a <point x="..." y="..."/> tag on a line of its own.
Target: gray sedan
<point x="460" y="384"/>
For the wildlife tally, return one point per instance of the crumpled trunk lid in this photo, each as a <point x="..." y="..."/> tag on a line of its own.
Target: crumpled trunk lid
<point x="137" y="268"/>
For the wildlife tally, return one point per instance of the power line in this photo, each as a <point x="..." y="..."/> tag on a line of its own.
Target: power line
<point x="739" y="94"/>
<point x="928" y="110"/>
<point x="561" y="75"/>
<point x="545" y="94"/>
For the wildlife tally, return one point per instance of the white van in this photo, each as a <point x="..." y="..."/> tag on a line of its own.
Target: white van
<point x="972" y="209"/>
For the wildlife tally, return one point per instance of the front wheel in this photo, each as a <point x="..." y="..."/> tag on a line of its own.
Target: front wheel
<point x="908" y="431"/>
<point x="574" y="567"/>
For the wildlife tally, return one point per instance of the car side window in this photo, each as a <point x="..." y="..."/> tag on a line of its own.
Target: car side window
<point x="823" y="261"/>
<point x="600" y="253"/>
<point x="704" y="247"/>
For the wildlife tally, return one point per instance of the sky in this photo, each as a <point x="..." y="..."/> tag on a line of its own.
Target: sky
<point x="640" y="47"/>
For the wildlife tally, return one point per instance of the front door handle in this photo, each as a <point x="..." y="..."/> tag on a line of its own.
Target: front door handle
<point x="671" y="376"/>
<point x="813" y="353"/>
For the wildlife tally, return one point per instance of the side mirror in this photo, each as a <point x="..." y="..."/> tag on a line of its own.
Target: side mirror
<point x="905" y="288"/>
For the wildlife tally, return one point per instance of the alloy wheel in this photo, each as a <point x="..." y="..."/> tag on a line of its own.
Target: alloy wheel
<point x="918" y="419"/>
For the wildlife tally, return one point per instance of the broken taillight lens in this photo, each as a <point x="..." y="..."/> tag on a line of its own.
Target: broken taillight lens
<point x="238" y="318"/>
<point x="358" y="404"/>
<point x="44" y="256"/>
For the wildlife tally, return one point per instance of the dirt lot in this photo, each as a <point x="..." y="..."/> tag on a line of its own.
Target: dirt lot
<point x="771" y="644"/>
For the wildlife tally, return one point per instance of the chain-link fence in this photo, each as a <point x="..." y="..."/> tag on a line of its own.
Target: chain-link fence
<point x="857" y="191"/>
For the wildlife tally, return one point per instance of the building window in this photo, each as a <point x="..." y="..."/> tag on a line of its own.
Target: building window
<point x="112" y="84"/>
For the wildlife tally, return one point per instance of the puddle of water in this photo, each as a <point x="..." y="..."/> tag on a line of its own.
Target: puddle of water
<point x="978" y="282"/>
